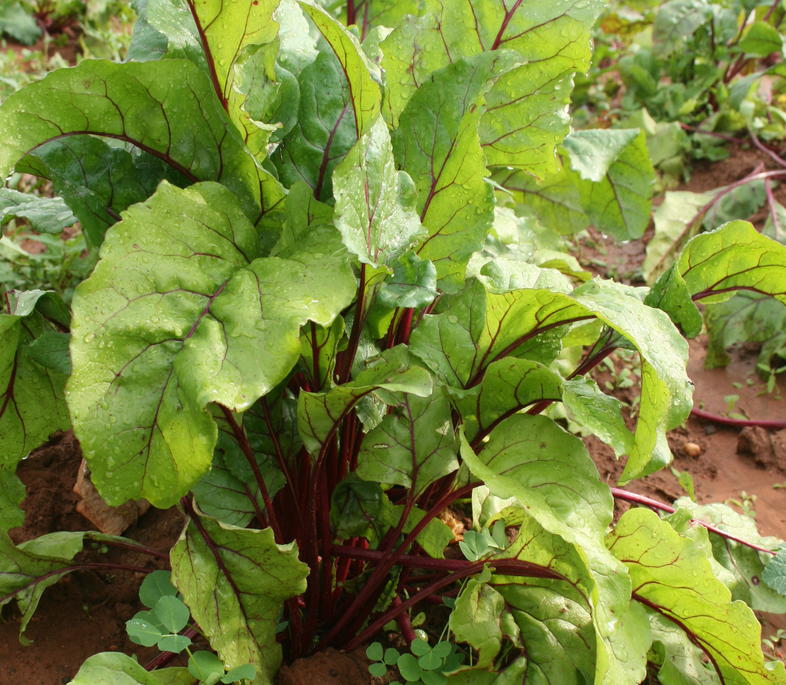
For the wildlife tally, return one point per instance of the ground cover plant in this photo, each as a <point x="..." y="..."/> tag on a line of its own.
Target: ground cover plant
<point x="331" y="303"/>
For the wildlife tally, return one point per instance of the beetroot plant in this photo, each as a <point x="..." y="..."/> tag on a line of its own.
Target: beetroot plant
<point x="332" y="304"/>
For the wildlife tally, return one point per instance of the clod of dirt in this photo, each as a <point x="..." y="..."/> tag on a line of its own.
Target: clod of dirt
<point x="766" y="449"/>
<point x="109" y="520"/>
<point x="328" y="668"/>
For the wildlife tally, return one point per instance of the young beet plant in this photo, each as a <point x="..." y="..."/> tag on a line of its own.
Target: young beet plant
<point x="331" y="303"/>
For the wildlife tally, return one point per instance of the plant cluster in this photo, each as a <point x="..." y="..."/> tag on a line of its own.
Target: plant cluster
<point x="332" y="301"/>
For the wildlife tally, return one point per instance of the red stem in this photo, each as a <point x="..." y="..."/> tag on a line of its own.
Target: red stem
<point x="737" y="423"/>
<point x="404" y="622"/>
<point x="643" y="500"/>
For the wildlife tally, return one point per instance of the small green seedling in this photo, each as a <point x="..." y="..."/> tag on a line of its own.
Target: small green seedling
<point x="477" y="545"/>
<point x="424" y="665"/>
<point x="161" y="626"/>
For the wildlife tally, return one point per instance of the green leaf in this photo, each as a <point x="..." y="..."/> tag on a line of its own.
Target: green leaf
<point x="775" y="572"/>
<point x="12" y="492"/>
<point x="375" y="203"/>
<point x="320" y="413"/>
<point x="526" y="113"/>
<point x="244" y="672"/>
<point x="746" y="317"/>
<point x="568" y="627"/>
<point x="172" y="613"/>
<point x="181" y="116"/>
<point x="235" y="588"/>
<point x="28" y="569"/>
<point x="598" y="413"/>
<point x="413" y="446"/>
<point x="18" y="22"/>
<point x="175" y="301"/>
<point x="616" y="179"/>
<point x="46" y="214"/>
<point x="145" y="629"/>
<point x="173" y="643"/>
<point x="761" y="39"/>
<point x="32" y="404"/>
<point x="413" y="283"/>
<point x="674" y="220"/>
<point x="227" y="31"/>
<point x="374" y="651"/>
<point x="681" y="662"/>
<point x="475" y="328"/>
<point x="155" y="586"/>
<point x="549" y="472"/>
<point x="672" y="576"/>
<point x="325" y="130"/>
<point x="204" y="665"/>
<point x="739" y="567"/>
<point x="362" y="77"/>
<point x="437" y="144"/>
<point x="477" y="619"/>
<point x="508" y="385"/>
<point x="554" y="201"/>
<point x="98" y="180"/>
<point x="714" y="265"/>
<point x="113" y="668"/>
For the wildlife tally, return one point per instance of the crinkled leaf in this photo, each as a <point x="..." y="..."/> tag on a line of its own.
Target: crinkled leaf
<point x="413" y="446"/>
<point x="549" y="472"/>
<point x="167" y="108"/>
<point x="319" y="414"/>
<point x="671" y="575"/>
<point x="235" y="588"/>
<point x="437" y="144"/>
<point x="361" y="509"/>
<point x="571" y="626"/>
<point x="413" y="283"/>
<point x="615" y="179"/>
<point x="375" y="210"/>
<point x="224" y="496"/>
<point x="32" y="403"/>
<point x="98" y="179"/>
<point x="114" y="668"/>
<point x="176" y="308"/>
